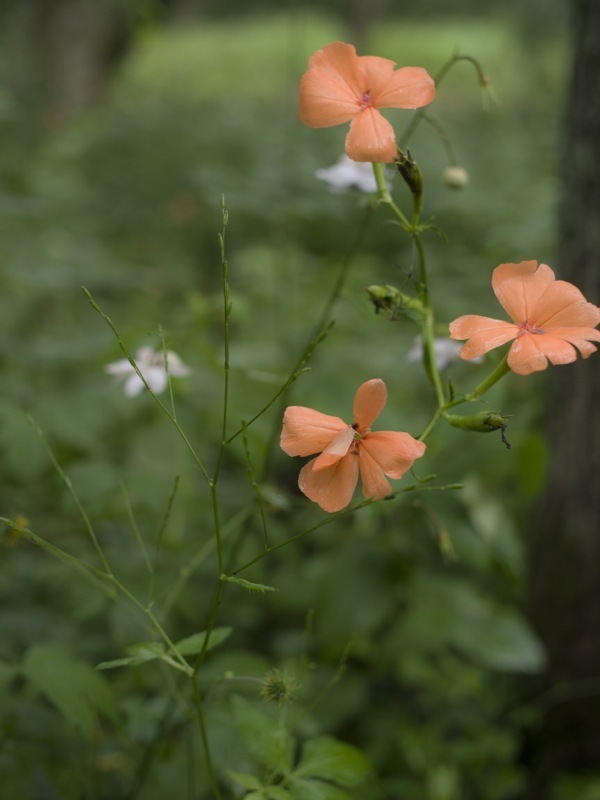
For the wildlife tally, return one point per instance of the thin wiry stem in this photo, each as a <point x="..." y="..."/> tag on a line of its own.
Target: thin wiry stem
<point x="156" y="399"/>
<point x="67" y="482"/>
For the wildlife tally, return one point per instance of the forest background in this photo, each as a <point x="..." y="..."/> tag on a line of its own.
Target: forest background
<point x="122" y="124"/>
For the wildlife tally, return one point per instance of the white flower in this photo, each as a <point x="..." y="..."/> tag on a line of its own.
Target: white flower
<point x="445" y="350"/>
<point x="151" y="364"/>
<point x="348" y="174"/>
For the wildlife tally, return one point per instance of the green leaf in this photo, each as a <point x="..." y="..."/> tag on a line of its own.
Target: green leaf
<point x="270" y="745"/>
<point x="72" y="686"/>
<point x="140" y="653"/>
<point x="308" y="789"/>
<point x="453" y="612"/>
<point x="193" y="644"/>
<point x="277" y="793"/>
<point x="245" y="780"/>
<point x="332" y="760"/>
<point x="252" y="587"/>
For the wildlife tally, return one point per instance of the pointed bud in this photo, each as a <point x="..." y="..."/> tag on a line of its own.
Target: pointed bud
<point x="388" y="298"/>
<point x="483" y="422"/>
<point x="412" y="175"/>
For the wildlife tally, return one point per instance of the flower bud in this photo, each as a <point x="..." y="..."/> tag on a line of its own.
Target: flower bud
<point x="411" y="172"/>
<point x="483" y="422"/>
<point x="388" y="298"/>
<point x="455" y="177"/>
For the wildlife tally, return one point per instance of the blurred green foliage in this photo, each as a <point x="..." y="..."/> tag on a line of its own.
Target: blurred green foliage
<point x="399" y="626"/>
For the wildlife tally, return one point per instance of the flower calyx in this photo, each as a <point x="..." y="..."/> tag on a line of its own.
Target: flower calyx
<point x="482" y="422"/>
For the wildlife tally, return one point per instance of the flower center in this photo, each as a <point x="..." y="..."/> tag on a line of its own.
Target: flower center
<point x="367" y="100"/>
<point x="528" y="327"/>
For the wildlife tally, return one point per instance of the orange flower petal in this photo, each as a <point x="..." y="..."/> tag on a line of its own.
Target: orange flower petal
<point x="371" y="138"/>
<point x="579" y="337"/>
<point x="393" y="451"/>
<point x="519" y="286"/>
<point x="408" y="87"/>
<point x="306" y="431"/>
<point x="532" y="352"/>
<point x="331" y="488"/>
<point x="331" y="89"/>
<point x="374" y="483"/>
<point x="483" y="333"/>
<point x="369" y="400"/>
<point x="563" y="305"/>
<point x="335" y="450"/>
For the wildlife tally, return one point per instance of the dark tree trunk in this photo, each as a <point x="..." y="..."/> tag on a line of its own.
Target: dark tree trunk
<point x="565" y="546"/>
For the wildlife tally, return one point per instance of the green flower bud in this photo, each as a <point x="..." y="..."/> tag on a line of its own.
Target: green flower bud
<point x="411" y="173"/>
<point x="483" y="422"/>
<point x="388" y="298"/>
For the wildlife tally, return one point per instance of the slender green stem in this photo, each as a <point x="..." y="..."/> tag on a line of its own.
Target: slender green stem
<point x="67" y="482"/>
<point x="103" y="580"/>
<point x="384" y="196"/>
<point x="205" y="743"/>
<point x="191" y="568"/>
<point x="149" y="389"/>
<point x="414" y="179"/>
<point x="499" y="372"/>
<point x="166" y="518"/>
<point x="256" y="489"/>
<point x="430" y="426"/>
<point x="136" y="530"/>
<point x="438" y="78"/>
<point x="420" y="487"/>
<point x="91" y="573"/>
<point x="153" y="622"/>
<point x="317" y="335"/>
<point x="383" y="193"/>
<point x="298" y="370"/>
<point x="163" y="344"/>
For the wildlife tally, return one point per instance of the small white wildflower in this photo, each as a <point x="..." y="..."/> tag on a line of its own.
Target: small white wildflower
<point x="445" y="350"/>
<point x="348" y="174"/>
<point x="151" y="364"/>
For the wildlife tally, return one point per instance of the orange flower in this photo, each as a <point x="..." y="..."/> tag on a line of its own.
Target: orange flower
<point x="340" y="86"/>
<point x="551" y="320"/>
<point x="330" y="479"/>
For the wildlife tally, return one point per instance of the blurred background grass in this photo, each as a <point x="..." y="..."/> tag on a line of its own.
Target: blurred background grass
<point x="123" y="197"/>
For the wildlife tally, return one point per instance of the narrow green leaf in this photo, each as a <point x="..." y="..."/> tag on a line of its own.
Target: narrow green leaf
<point x="73" y="686"/>
<point x="146" y="650"/>
<point x="309" y="789"/>
<point x="277" y="793"/>
<point x="244" y="779"/>
<point x="193" y="644"/>
<point x="332" y="760"/>
<point x="139" y="654"/>
<point x="252" y="587"/>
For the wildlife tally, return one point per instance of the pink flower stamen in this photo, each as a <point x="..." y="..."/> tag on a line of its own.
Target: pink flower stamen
<point x="367" y="100"/>
<point x="528" y="327"/>
<point x="345" y="451"/>
<point x="530" y="292"/>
